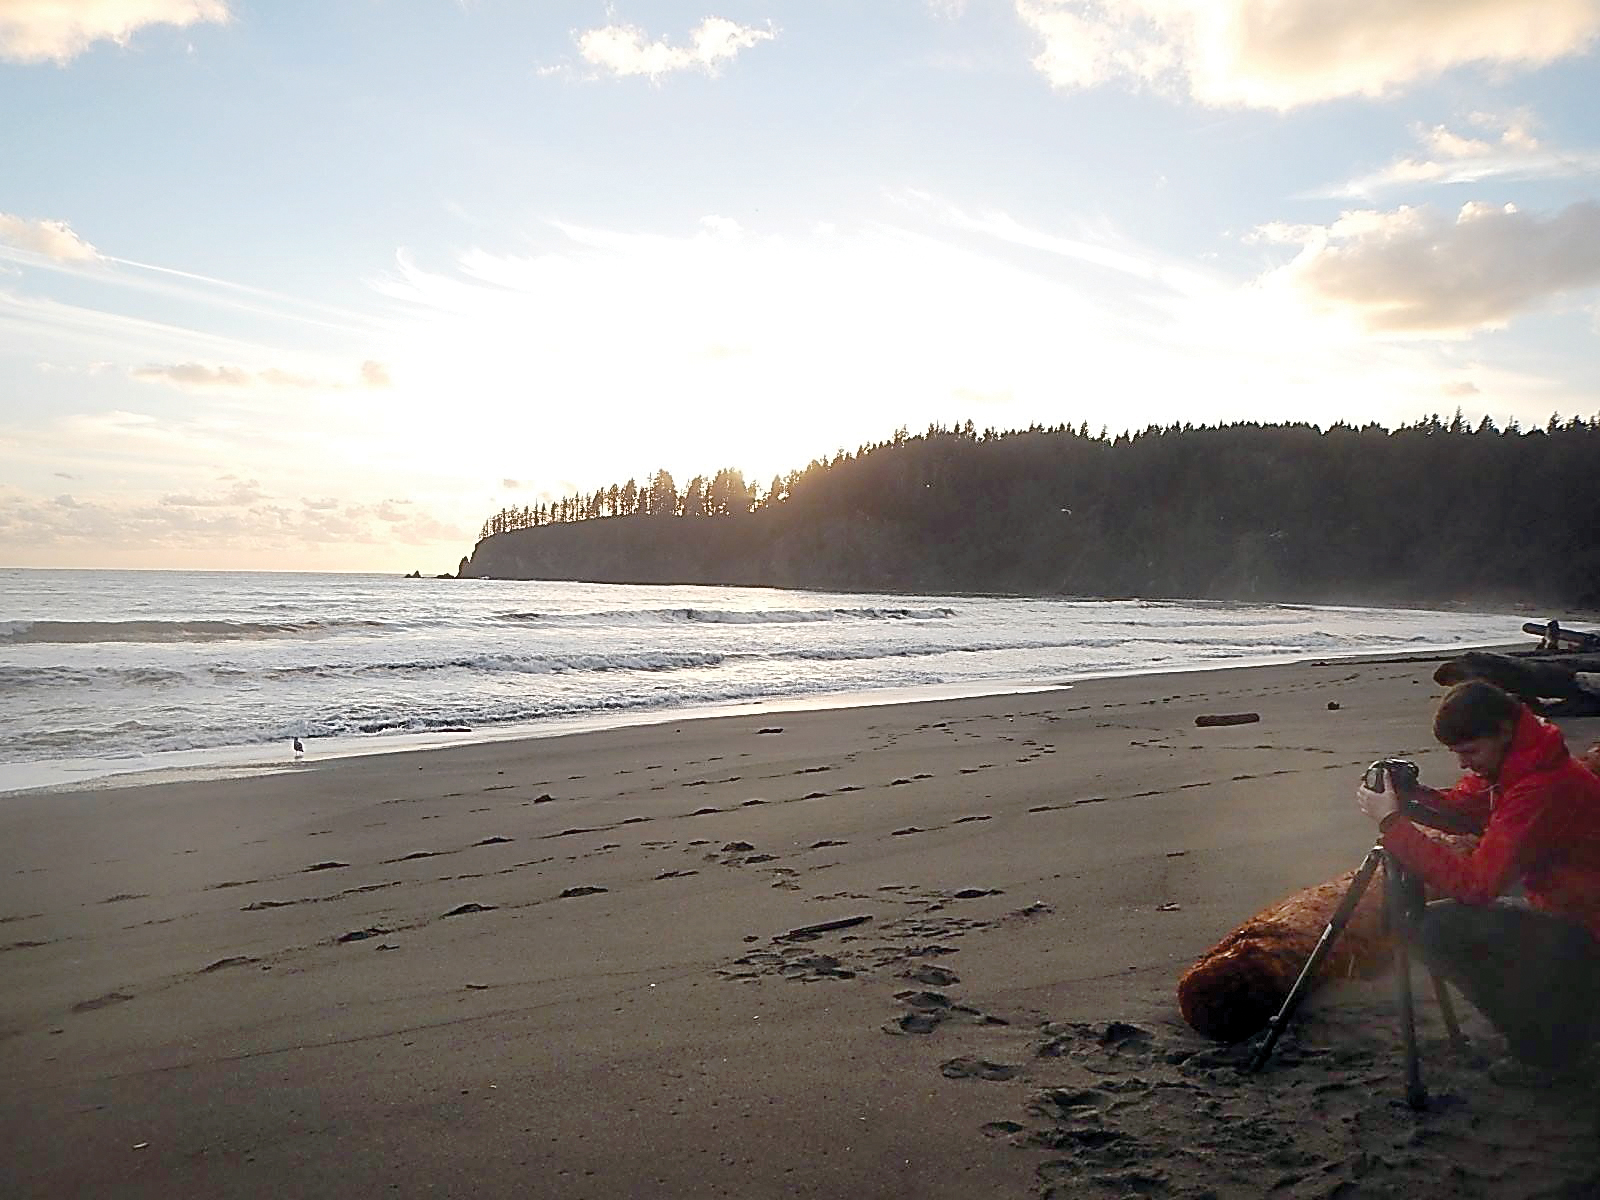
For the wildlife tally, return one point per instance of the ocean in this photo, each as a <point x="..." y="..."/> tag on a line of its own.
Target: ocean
<point x="103" y="673"/>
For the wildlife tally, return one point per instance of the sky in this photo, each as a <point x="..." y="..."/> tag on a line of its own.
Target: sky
<point x="322" y="284"/>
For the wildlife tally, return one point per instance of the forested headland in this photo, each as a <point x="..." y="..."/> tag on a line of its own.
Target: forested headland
<point x="1439" y="512"/>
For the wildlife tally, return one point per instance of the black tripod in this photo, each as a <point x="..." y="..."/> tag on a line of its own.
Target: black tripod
<point x="1403" y="902"/>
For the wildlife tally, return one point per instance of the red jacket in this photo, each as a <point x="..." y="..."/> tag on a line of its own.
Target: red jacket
<point x="1541" y="823"/>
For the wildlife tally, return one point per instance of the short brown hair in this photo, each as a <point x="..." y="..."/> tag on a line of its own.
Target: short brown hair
<point x="1474" y="709"/>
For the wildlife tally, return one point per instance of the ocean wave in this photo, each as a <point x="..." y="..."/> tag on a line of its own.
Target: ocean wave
<point x="17" y="678"/>
<point x="649" y="662"/>
<point x="732" y="616"/>
<point x="532" y="664"/>
<point x="16" y="633"/>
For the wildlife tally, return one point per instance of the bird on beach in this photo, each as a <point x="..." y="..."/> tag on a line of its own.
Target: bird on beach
<point x="298" y="748"/>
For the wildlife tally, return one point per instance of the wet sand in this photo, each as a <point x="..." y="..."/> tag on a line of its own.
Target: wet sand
<point x="925" y="950"/>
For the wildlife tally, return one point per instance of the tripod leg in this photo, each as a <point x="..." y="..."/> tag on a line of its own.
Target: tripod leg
<point x="1416" y="1094"/>
<point x="1336" y="924"/>
<point x="1447" y="1009"/>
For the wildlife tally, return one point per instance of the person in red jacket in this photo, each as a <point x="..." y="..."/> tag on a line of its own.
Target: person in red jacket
<point x="1519" y="929"/>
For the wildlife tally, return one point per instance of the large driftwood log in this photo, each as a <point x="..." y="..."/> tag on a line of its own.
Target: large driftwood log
<point x="1237" y="986"/>
<point x="1536" y="681"/>
<point x="1554" y="638"/>
<point x="1239" y="983"/>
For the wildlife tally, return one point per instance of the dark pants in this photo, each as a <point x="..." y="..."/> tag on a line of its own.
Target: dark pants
<point x="1534" y="975"/>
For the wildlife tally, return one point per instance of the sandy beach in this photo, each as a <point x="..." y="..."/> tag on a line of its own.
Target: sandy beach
<point x="924" y="950"/>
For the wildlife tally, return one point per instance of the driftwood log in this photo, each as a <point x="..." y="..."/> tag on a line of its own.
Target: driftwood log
<point x="1207" y="720"/>
<point x="1554" y="638"/>
<point x="1237" y="986"/>
<point x="1555" y="686"/>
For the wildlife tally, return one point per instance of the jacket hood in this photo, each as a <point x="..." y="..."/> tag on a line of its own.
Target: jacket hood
<point x="1536" y="746"/>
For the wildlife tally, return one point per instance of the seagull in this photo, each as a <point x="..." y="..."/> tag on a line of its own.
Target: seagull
<point x="298" y="748"/>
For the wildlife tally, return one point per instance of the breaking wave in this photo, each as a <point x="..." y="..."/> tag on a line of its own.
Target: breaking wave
<point x="733" y="616"/>
<point x="17" y="633"/>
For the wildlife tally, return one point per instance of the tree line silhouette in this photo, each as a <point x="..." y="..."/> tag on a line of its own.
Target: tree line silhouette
<point x="720" y="495"/>
<point x="1435" y="512"/>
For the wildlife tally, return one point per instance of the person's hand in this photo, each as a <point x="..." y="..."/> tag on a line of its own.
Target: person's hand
<point x="1377" y="805"/>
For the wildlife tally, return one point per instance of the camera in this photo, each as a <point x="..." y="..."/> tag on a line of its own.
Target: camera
<point x="1402" y="770"/>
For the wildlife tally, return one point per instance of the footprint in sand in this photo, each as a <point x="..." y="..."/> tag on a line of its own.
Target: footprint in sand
<point x="106" y="1001"/>
<point x="360" y="935"/>
<point x="933" y="976"/>
<point x="237" y="960"/>
<point x="977" y="1068"/>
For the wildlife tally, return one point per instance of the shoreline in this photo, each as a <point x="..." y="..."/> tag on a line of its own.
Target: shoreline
<point x="231" y="762"/>
<point x="916" y="949"/>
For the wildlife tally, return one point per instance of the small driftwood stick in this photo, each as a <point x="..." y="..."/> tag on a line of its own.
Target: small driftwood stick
<point x="1227" y="719"/>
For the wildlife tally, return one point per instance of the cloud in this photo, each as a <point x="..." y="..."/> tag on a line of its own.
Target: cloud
<point x="242" y="493"/>
<point x="1279" y="54"/>
<point x="247" y="521"/>
<point x="198" y="377"/>
<point x="628" y="50"/>
<point x="54" y="240"/>
<point x="1417" y="270"/>
<point x="1510" y="151"/>
<point x="59" y="30"/>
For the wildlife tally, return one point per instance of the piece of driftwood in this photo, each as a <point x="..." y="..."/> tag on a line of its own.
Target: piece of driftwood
<point x="1552" y="637"/>
<point x="1550" y="685"/>
<point x="1227" y="719"/>
<point x="1237" y="985"/>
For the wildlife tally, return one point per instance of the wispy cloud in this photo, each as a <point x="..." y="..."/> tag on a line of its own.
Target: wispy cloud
<point x="60" y="30"/>
<point x="1421" y="271"/>
<point x="200" y="377"/>
<point x="1501" y="148"/>
<point x="241" y="523"/>
<point x="628" y="50"/>
<point x="1287" y="53"/>
<point x="54" y="241"/>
